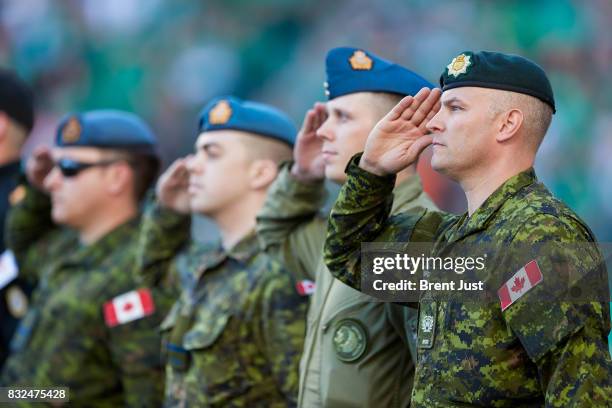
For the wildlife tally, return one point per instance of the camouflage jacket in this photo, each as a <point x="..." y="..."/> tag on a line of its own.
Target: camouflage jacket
<point x="235" y="334"/>
<point x="66" y="339"/>
<point x="534" y="353"/>
<point x="334" y="372"/>
<point x="14" y="292"/>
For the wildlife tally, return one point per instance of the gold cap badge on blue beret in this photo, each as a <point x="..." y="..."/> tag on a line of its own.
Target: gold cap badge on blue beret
<point x="459" y="65"/>
<point x="220" y="114"/>
<point x="360" y="61"/>
<point x="72" y="131"/>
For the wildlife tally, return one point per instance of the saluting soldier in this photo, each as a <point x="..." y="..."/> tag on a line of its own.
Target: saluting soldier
<point x="236" y="330"/>
<point x="531" y="347"/>
<point x="16" y="122"/>
<point x="91" y="326"/>
<point x="356" y="350"/>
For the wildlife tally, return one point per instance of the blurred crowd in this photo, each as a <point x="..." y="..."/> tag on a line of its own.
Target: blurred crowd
<point x="164" y="59"/>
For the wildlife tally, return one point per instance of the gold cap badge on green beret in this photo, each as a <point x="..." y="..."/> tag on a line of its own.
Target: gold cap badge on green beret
<point x="360" y="61"/>
<point x="72" y="131"/>
<point x="459" y="65"/>
<point x="220" y="114"/>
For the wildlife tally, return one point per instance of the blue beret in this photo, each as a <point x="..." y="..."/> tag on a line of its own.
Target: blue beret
<point x="111" y="129"/>
<point x="496" y="70"/>
<point x="229" y="112"/>
<point x="351" y="70"/>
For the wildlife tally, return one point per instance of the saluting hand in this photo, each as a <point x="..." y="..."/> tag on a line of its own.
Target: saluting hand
<point x="172" y="187"/>
<point x="399" y="137"/>
<point x="38" y="166"/>
<point x="309" y="164"/>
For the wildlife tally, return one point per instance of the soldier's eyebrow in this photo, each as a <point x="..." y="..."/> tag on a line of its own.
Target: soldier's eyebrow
<point x="453" y="100"/>
<point x="340" y="112"/>
<point x="209" y="146"/>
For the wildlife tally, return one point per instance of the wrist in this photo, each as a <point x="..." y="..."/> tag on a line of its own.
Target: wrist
<point x="371" y="167"/>
<point x="303" y="175"/>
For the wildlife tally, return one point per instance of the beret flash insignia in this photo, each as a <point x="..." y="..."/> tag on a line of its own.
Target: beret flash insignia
<point x="459" y="65"/>
<point x="360" y="61"/>
<point x="72" y="131"/>
<point x="220" y="113"/>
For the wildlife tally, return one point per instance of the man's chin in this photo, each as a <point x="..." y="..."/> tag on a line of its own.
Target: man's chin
<point x="204" y="209"/>
<point x="335" y="175"/>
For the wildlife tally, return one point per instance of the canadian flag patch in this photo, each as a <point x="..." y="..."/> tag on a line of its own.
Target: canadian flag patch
<point x="520" y="283"/>
<point x="305" y="287"/>
<point x="128" y="307"/>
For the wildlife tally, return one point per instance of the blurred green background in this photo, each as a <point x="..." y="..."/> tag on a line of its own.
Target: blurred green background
<point x="163" y="59"/>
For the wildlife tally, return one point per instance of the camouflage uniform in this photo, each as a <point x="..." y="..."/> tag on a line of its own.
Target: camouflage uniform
<point x="332" y="373"/>
<point x="534" y="353"/>
<point x="63" y="339"/>
<point x="14" y="292"/>
<point x="235" y="334"/>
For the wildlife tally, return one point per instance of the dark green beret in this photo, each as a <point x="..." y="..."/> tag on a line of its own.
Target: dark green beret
<point x="496" y="70"/>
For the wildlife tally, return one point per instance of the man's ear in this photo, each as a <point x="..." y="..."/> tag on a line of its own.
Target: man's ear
<point x="4" y="126"/>
<point x="262" y="173"/>
<point x="509" y="124"/>
<point x="119" y="178"/>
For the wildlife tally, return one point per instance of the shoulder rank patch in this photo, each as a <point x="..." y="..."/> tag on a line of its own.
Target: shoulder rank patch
<point x="350" y="340"/>
<point x="128" y="307"/>
<point x="17" y="195"/>
<point x="520" y="283"/>
<point x="17" y="302"/>
<point x="220" y="113"/>
<point x="360" y="61"/>
<point x="305" y="287"/>
<point x="72" y="131"/>
<point x="459" y="65"/>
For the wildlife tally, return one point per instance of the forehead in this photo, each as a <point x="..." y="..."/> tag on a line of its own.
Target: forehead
<point x="358" y="100"/>
<point x="77" y="153"/>
<point x="224" y="138"/>
<point x="467" y="94"/>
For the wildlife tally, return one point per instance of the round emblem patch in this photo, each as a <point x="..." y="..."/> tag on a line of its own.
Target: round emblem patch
<point x="17" y="302"/>
<point x="350" y="340"/>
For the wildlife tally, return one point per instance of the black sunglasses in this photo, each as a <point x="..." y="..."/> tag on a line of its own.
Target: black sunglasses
<point x="70" y="168"/>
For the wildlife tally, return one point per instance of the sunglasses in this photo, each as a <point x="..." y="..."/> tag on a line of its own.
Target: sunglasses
<point x="70" y="168"/>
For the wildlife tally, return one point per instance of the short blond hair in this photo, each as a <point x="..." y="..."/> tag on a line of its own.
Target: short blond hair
<point x="266" y="148"/>
<point x="537" y="115"/>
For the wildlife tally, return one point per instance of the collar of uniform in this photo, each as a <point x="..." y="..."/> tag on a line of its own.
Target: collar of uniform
<point x="478" y="220"/>
<point x="10" y="169"/>
<point x="406" y="192"/>
<point x="93" y="254"/>
<point x="243" y="251"/>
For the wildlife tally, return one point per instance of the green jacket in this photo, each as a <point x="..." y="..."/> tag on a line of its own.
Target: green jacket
<point x="65" y="339"/>
<point x="533" y="353"/>
<point x="355" y="350"/>
<point x="234" y="336"/>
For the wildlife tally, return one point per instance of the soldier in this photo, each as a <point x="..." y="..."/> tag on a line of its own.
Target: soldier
<point x="517" y="351"/>
<point x="235" y="333"/>
<point x="91" y="327"/>
<point x="16" y="121"/>
<point x="355" y="350"/>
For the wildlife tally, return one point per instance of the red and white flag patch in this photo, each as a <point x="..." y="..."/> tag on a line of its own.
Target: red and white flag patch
<point x="305" y="287"/>
<point x="128" y="307"/>
<point x="520" y="283"/>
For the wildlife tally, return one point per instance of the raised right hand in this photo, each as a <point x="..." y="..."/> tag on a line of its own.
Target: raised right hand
<point x="172" y="187"/>
<point x="38" y="166"/>
<point x="309" y="164"/>
<point x="399" y="137"/>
